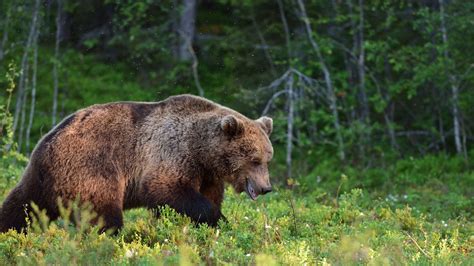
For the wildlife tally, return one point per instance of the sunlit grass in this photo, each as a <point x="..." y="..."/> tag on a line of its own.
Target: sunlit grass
<point x="262" y="232"/>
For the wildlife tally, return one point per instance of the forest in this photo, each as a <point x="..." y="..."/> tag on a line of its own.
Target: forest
<point x="371" y="102"/>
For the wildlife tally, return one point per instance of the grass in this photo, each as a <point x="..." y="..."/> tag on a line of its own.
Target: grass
<point x="403" y="223"/>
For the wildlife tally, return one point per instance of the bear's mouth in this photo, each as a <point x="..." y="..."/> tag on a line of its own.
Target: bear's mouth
<point x="250" y="190"/>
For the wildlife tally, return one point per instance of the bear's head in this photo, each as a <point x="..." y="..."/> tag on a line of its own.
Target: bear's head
<point x="246" y="151"/>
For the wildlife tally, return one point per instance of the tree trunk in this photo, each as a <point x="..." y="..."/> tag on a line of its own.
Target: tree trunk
<point x="438" y="95"/>
<point x="24" y="61"/>
<point x="290" y="95"/>
<point x="327" y="79"/>
<point x="23" y="109"/>
<point x="453" y="83"/>
<point x="357" y="26"/>
<point x="56" y="61"/>
<point x="464" y="142"/>
<point x="265" y="47"/>
<point x="361" y="66"/>
<point x="175" y="40"/>
<point x="287" y="30"/>
<point x="5" y="32"/>
<point x="389" y="109"/>
<point x="195" y="70"/>
<point x="33" y="93"/>
<point x="290" y="121"/>
<point x="187" y="28"/>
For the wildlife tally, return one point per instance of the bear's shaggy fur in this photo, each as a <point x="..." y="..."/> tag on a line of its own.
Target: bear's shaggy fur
<point x="124" y="155"/>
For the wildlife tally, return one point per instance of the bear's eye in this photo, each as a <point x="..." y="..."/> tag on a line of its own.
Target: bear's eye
<point x="256" y="162"/>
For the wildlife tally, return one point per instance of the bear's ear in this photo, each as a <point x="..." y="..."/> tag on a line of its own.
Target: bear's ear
<point x="266" y="123"/>
<point x="231" y="125"/>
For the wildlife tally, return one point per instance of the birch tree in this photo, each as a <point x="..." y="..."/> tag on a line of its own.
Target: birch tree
<point x="187" y="28"/>
<point x="186" y="32"/>
<point x="24" y="62"/>
<point x="327" y="79"/>
<point x="23" y="108"/>
<point x="265" y="46"/>
<point x="361" y="65"/>
<point x="289" y="94"/>
<point x="290" y="121"/>
<point x="33" y="92"/>
<point x="452" y="82"/>
<point x="6" y="25"/>
<point x="56" y="61"/>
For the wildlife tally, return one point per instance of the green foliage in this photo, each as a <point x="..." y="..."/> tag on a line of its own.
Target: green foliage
<point x="10" y="159"/>
<point x="373" y="225"/>
<point x="126" y="50"/>
<point x="439" y="184"/>
<point x="143" y="34"/>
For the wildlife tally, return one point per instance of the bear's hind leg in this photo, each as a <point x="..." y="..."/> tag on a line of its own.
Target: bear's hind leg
<point x="14" y="210"/>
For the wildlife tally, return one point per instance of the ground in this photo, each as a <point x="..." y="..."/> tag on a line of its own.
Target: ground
<point x="324" y="219"/>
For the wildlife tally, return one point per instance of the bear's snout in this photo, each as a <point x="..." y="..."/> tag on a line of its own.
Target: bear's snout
<point x="266" y="190"/>
<point x="254" y="187"/>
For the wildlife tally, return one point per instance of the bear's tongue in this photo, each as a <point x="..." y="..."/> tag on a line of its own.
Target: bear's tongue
<point x="251" y="191"/>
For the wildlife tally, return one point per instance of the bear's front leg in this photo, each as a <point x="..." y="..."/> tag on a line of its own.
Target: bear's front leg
<point x="184" y="199"/>
<point x="214" y="192"/>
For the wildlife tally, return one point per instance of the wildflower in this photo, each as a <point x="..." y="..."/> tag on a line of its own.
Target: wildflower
<point x="130" y="253"/>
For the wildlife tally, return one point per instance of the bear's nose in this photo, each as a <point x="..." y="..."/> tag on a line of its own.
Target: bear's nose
<point x="265" y="190"/>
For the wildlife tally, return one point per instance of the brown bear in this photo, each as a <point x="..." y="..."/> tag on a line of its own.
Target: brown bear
<point x="122" y="155"/>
